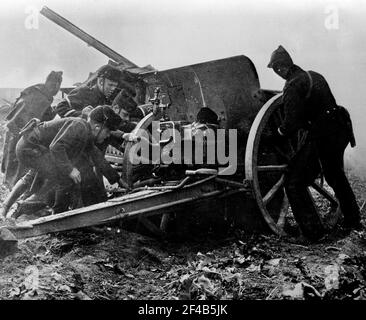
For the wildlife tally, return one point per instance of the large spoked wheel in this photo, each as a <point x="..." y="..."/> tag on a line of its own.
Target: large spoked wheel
<point x="266" y="165"/>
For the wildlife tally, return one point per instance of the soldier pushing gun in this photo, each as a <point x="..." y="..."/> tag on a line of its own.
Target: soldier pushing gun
<point x="309" y="104"/>
<point x="63" y="152"/>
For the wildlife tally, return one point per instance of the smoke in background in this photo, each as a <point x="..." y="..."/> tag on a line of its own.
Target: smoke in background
<point x="322" y="35"/>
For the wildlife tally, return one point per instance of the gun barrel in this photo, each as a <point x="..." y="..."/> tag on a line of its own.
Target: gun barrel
<point x="82" y="35"/>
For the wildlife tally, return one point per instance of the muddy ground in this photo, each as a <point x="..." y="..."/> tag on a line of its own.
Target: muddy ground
<point x="112" y="263"/>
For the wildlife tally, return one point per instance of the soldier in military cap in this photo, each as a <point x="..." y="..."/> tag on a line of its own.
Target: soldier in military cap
<point x="33" y="102"/>
<point x="103" y="91"/>
<point x="309" y="104"/>
<point x="54" y="149"/>
<point x="83" y="99"/>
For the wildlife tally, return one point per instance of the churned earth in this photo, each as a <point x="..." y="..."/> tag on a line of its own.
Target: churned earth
<point x="112" y="263"/>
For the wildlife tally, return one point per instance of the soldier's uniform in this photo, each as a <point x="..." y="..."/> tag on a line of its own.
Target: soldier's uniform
<point x="90" y="95"/>
<point x="54" y="148"/>
<point x="309" y="104"/>
<point x="78" y="99"/>
<point x="34" y="102"/>
<point x="125" y="104"/>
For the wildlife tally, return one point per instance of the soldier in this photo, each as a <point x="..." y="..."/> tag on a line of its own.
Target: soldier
<point x="309" y="104"/>
<point x="125" y="105"/>
<point x="53" y="149"/>
<point x="34" y="102"/>
<point x="83" y="99"/>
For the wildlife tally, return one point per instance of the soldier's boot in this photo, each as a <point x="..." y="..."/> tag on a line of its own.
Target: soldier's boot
<point x="25" y="208"/>
<point x="305" y="212"/>
<point x="35" y="202"/>
<point x="63" y="199"/>
<point x="20" y="187"/>
<point x="41" y="195"/>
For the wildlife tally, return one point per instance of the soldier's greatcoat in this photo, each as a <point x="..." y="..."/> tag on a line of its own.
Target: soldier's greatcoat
<point x="309" y="104"/>
<point x="55" y="147"/>
<point x="67" y="139"/>
<point x="33" y="102"/>
<point x="78" y="99"/>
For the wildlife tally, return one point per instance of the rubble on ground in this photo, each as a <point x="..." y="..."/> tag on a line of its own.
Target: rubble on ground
<point x="112" y="263"/>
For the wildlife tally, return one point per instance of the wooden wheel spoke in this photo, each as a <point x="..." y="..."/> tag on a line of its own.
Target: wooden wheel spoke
<point x="272" y="192"/>
<point x="283" y="213"/>
<point x="277" y="167"/>
<point x="324" y="193"/>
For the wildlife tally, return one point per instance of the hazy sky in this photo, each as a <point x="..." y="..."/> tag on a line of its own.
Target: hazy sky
<point x="328" y="36"/>
<point x="171" y="33"/>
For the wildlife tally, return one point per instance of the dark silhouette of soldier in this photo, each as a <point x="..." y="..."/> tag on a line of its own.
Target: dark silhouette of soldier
<point x="309" y="104"/>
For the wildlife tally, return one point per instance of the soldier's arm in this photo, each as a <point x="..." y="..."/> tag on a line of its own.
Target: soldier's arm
<point x="294" y="107"/>
<point x="48" y="114"/>
<point x="74" y="103"/>
<point x="73" y="135"/>
<point x="125" y="101"/>
<point x="101" y="163"/>
<point x="63" y="108"/>
<point x="116" y="139"/>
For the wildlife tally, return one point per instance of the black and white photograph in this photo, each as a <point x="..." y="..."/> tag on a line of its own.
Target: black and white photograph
<point x="183" y="150"/>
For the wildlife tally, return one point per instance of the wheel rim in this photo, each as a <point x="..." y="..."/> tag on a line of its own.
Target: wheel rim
<point x="129" y="169"/>
<point x="266" y="164"/>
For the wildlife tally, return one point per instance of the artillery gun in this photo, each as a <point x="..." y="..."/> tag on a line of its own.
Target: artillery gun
<point x="253" y="194"/>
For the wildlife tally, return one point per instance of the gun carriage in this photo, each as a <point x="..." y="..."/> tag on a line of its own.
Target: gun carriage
<point x="253" y="196"/>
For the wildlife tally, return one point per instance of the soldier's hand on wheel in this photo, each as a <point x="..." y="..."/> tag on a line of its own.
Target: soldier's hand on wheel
<point x="75" y="175"/>
<point x="86" y="110"/>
